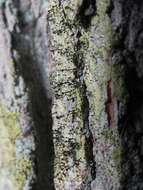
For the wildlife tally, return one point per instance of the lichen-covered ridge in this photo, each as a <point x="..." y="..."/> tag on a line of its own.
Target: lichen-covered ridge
<point x="87" y="53"/>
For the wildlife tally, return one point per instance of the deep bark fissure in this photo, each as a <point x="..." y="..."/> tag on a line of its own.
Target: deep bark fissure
<point x="130" y="32"/>
<point x="85" y="108"/>
<point x="86" y="11"/>
<point x="40" y="105"/>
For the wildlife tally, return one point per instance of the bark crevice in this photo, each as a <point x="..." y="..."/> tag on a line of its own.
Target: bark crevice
<point x="85" y="108"/>
<point x="86" y="11"/>
<point x="40" y="103"/>
<point x="129" y="30"/>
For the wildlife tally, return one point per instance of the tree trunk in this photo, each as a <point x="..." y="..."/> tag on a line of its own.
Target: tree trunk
<point x="66" y="93"/>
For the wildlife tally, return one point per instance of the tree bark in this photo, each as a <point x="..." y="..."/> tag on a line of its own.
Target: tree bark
<point x="63" y="95"/>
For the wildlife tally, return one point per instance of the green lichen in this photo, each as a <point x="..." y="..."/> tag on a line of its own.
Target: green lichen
<point x="108" y="135"/>
<point x="24" y="165"/>
<point x="92" y="46"/>
<point x="9" y="131"/>
<point x="10" y="120"/>
<point x="13" y="170"/>
<point x="102" y="6"/>
<point x="117" y="157"/>
<point x="118" y="76"/>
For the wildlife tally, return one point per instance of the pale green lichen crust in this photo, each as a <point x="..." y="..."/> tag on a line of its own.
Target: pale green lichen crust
<point x="9" y="131"/>
<point x="14" y="168"/>
<point x="71" y="169"/>
<point x="95" y="47"/>
<point x="99" y="70"/>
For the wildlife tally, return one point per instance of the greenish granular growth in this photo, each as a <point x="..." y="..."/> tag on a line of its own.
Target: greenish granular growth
<point x="118" y="76"/>
<point x="110" y="135"/>
<point x="10" y="121"/>
<point x="13" y="171"/>
<point x="72" y="42"/>
<point x="24" y="165"/>
<point x="99" y="69"/>
<point x="117" y="156"/>
<point x="68" y="129"/>
<point x="9" y="131"/>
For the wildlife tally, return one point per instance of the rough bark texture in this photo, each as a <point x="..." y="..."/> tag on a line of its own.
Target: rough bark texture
<point x="130" y="34"/>
<point x="63" y="94"/>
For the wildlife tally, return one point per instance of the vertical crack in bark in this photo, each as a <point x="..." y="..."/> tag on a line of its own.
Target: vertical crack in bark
<point x="130" y="34"/>
<point x="79" y="75"/>
<point x="27" y="66"/>
<point x="88" y="135"/>
<point x="42" y="117"/>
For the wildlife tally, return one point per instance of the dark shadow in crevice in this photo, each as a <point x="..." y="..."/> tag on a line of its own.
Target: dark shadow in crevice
<point x="41" y="105"/>
<point x="42" y="117"/>
<point x="78" y="60"/>
<point x="131" y="47"/>
<point x="89" y="140"/>
<point x="132" y="134"/>
<point x="86" y="11"/>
